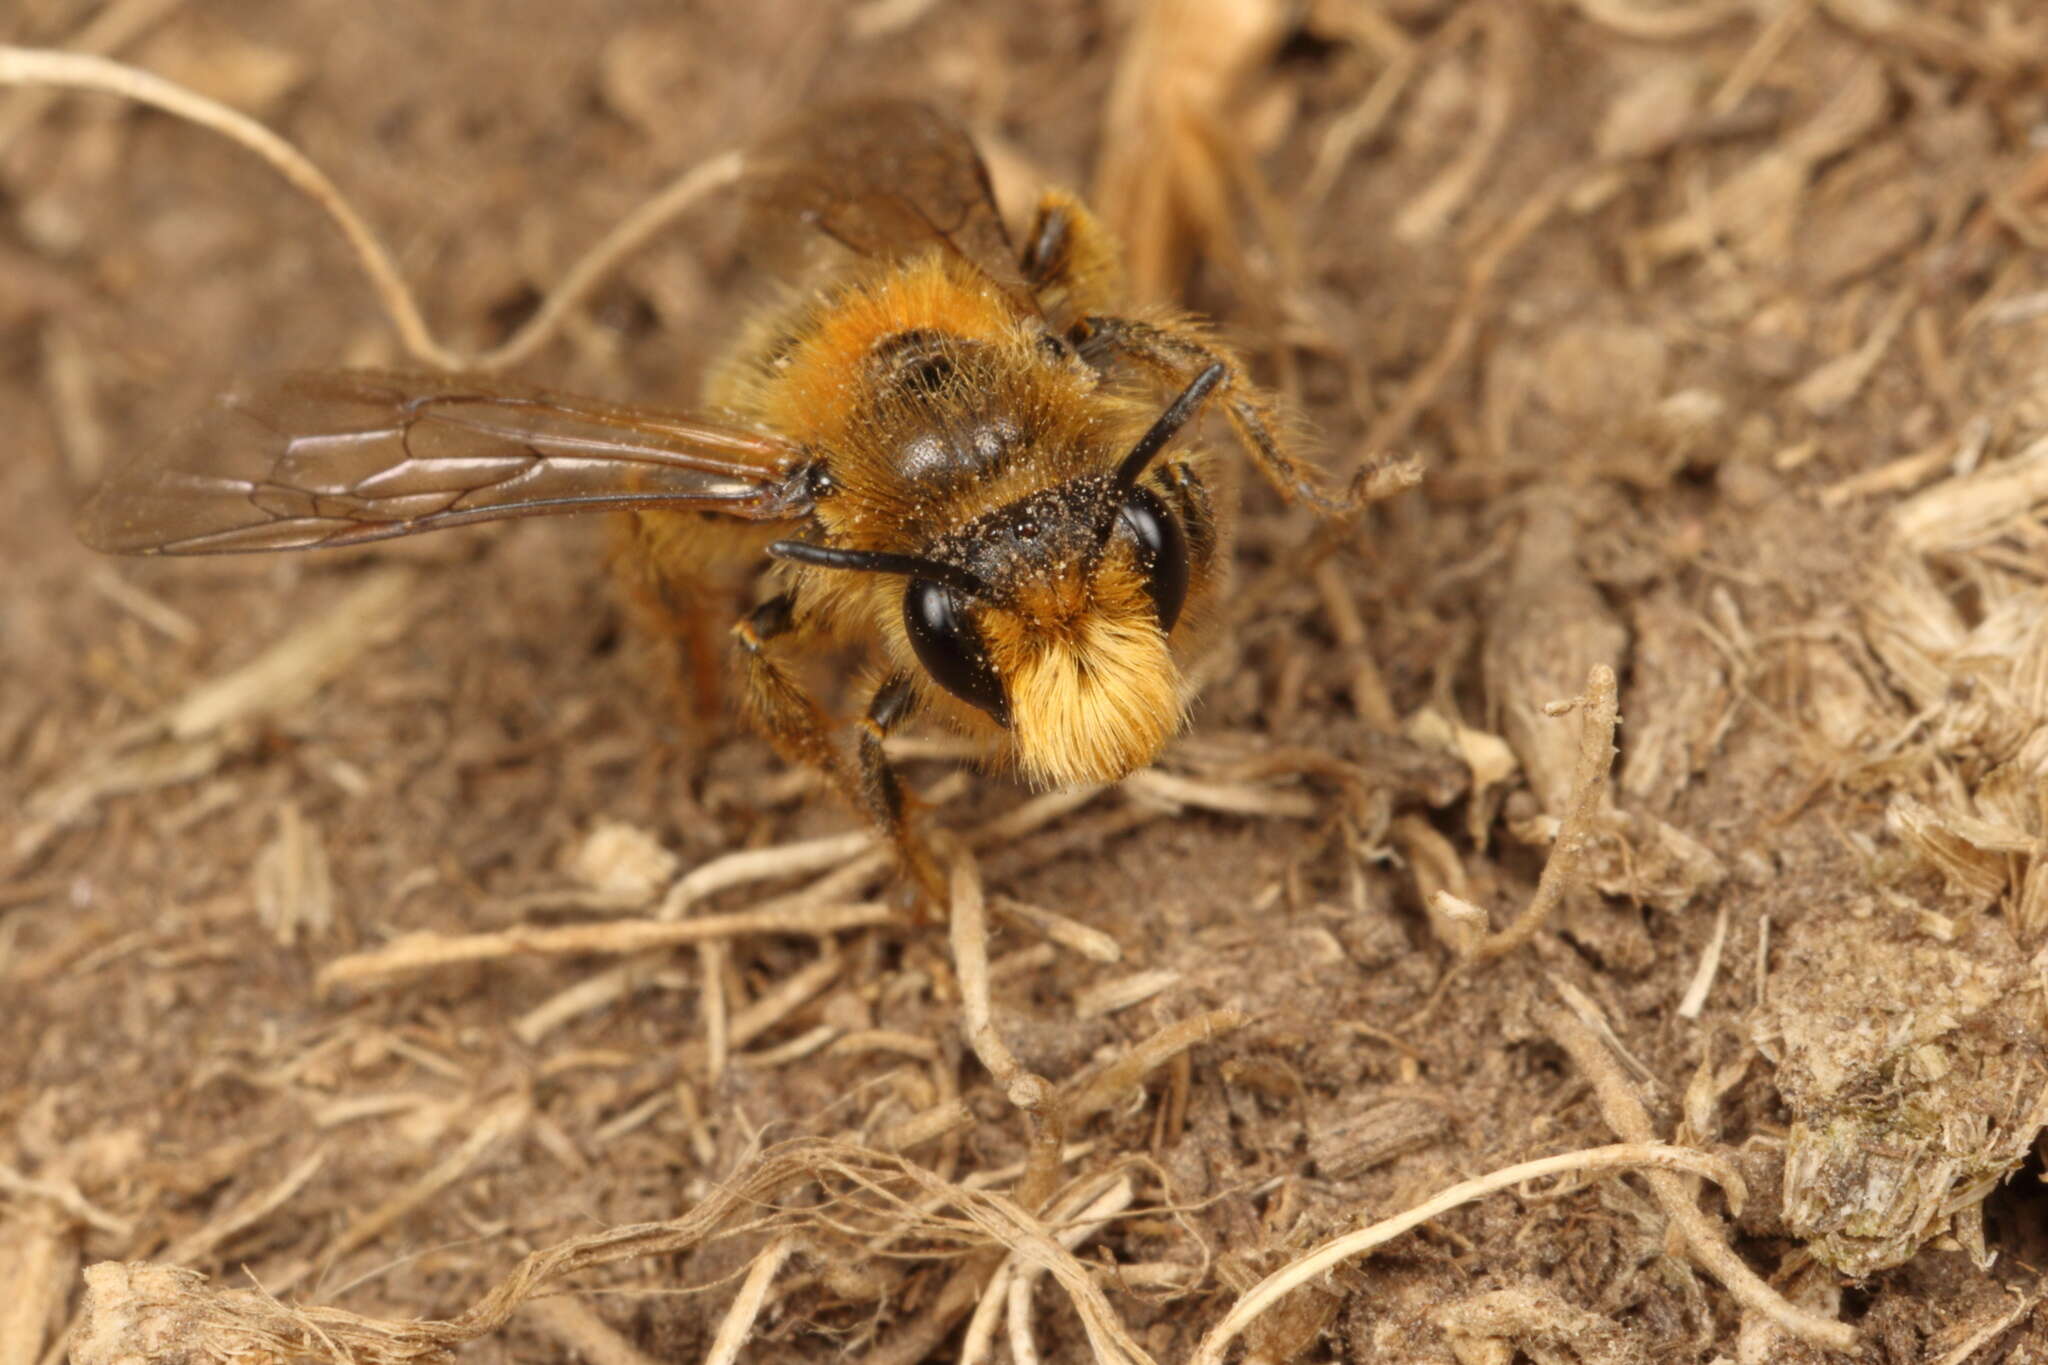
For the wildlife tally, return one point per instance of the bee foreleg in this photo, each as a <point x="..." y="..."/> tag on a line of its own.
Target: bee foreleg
<point x="880" y="794"/>
<point x="776" y="703"/>
<point x="1175" y="357"/>
<point x="789" y="719"/>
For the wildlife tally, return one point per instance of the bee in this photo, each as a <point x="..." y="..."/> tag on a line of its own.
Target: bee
<point x="952" y="452"/>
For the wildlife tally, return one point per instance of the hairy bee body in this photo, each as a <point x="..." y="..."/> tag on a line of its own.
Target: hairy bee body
<point x="957" y="426"/>
<point x="952" y="451"/>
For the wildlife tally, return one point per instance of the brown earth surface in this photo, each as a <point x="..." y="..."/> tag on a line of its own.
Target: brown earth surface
<point x="1721" y="331"/>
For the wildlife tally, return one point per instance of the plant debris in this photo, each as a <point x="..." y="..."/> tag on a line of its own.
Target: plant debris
<point x="1598" y="913"/>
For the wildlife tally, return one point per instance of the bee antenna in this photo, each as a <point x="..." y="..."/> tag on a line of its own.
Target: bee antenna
<point x="879" y="561"/>
<point x="1171" y="421"/>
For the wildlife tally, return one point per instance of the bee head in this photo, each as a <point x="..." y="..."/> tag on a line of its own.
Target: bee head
<point x="1090" y="687"/>
<point x="1052" y="615"/>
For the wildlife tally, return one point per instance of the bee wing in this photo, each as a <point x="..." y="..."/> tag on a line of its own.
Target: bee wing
<point x="884" y="178"/>
<point x="306" y="460"/>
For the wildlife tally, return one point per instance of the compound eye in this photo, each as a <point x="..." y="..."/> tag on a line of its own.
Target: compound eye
<point x="949" y="648"/>
<point x="1162" y="553"/>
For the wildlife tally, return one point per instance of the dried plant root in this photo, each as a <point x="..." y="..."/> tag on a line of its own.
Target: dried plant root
<point x="141" y="1311"/>
<point x="1704" y="1238"/>
<point x="426" y="951"/>
<point x="1626" y="1156"/>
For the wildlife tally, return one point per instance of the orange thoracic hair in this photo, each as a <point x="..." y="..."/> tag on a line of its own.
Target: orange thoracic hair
<point x="818" y="373"/>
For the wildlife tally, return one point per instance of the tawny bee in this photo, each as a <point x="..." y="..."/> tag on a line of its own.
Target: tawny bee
<point x="952" y="451"/>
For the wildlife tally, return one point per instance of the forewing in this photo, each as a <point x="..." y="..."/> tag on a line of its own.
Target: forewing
<point x="882" y="178"/>
<point x="306" y="460"/>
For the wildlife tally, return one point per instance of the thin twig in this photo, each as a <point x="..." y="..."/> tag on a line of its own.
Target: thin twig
<point x="375" y="612"/>
<point x="746" y="1305"/>
<point x="427" y="951"/>
<point x="1626" y="1156"/>
<point x="970" y="963"/>
<point x="2002" y="1322"/>
<point x="1069" y="933"/>
<point x="1086" y="1224"/>
<point x="1393" y="425"/>
<point x="1096" y="1093"/>
<point x="232" y="1222"/>
<point x="1370" y="700"/>
<point x="1228" y="798"/>
<point x="80" y="71"/>
<point x="947" y="1116"/>
<point x="1695" y="998"/>
<point x="1429" y="211"/>
<point x="63" y="1194"/>
<point x="761" y="864"/>
<point x="588" y="1337"/>
<point x="712" y="1005"/>
<point x="1109" y="997"/>
<point x="113" y="28"/>
<point x="634" y="231"/>
<point x="988" y="1311"/>
<point x="504" y="1120"/>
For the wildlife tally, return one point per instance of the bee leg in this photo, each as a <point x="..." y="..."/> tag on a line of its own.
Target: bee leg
<point x="881" y="795"/>
<point x="784" y="713"/>
<point x="1176" y="357"/>
<point x="1070" y="260"/>
<point x="776" y="703"/>
<point x="670" y="608"/>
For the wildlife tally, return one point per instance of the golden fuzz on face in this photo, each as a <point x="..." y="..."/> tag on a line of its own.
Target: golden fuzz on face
<point x="1094" y="692"/>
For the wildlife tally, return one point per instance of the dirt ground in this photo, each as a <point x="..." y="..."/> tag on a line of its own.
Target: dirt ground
<point x="1721" y="332"/>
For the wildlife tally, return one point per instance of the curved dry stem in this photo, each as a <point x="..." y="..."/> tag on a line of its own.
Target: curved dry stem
<point x="1358" y="125"/>
<point x="1704" y="1237"/>
<point x="1036" y="1248"/>
<point x="1626" y="1156"/>
<point x="428" y="951"/>
<point x="1394" y="424"/>
<point x="1599" y="715"/>
<point x="1044" y="1114"/>
<point x="1091" y="1094"/>
<point x="81" y="71"/>
<point x="115" y="26"/>
<point x="1429" y="212"/>
<point x="760" y="864"/>
<point x="574" y="1325"/>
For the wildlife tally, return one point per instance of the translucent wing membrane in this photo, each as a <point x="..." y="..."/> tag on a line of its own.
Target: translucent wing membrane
<point x="883" y="178"/>
<point x="306" y="460"/>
